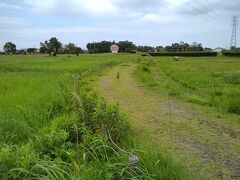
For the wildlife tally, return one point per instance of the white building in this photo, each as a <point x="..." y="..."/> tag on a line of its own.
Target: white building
<point x="218" y="49"/>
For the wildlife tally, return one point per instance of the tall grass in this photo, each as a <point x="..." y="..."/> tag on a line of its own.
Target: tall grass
<point x="83" y="141"/>
<point x="31" y="89"/>
<point x="205" y="81"/>
<point x="52" y="127"/>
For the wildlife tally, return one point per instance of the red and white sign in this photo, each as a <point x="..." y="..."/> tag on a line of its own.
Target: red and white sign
<point x="114" y="48"/>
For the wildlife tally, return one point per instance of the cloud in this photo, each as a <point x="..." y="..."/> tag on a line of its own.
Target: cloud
<point x="158" y="18"/>
<point x="95" y="8"/>
<point x="54" y="31"/>
<point x="139" y="5"/>
<point x="72" y="7"/>
<point x="9" y="6"/>
<point x="122" y="9"/>
<point x="141" y="21"/>
<point x="11" y="21"/>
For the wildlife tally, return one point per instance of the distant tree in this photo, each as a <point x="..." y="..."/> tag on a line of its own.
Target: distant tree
<point x="31" y="50"/>
<point x="160" y="48"/>
<point x="183" y="47"/>
<point x="145" y="48"/>
<point x="195" y="47"/>
<point x="186" y="46"/>
<point x="9" y="48"/>
<point x="90" y="46"/>
<point x="43" y="47"/>
<point x="71" y="48"/>
<point x="78" y="50"/>
<point x="104" y="46"/>
<point x="52" y="46"/>
<point x="168" y="48"/>
<point x="126" y="46"/>
<point x="99" y="47"/>
<point x="207" y="49"/>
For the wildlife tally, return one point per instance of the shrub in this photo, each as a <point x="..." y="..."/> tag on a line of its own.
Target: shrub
<point x="187" y="54"/>
<point x="231" y="53"/>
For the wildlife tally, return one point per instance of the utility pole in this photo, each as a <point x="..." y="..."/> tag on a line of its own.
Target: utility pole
<point x="233" y="43"/>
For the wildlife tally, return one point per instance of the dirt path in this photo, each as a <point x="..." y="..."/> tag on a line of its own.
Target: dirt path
<point x="209" y="145"/>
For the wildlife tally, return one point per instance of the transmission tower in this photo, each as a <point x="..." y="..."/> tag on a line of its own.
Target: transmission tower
<point x="234" y="32"/>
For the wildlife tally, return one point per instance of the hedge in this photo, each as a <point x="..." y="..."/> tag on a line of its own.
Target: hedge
<point x="186" y="54"/>
<point x="231" y="53"/>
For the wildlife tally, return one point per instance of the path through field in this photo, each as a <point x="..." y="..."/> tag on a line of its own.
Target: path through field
<point x="209" y="143"/>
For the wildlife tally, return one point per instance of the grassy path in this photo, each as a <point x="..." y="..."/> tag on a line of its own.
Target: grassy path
<point x="208" y="144"/>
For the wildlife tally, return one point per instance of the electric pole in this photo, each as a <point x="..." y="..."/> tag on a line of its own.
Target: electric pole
<point x="233" y="43"/>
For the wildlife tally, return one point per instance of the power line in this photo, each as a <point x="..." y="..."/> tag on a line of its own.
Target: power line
<point x="196" y="9"/>
<point x="212" y="10"/>
<point x="199" y="10"/>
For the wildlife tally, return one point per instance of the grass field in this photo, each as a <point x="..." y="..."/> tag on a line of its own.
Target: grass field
<point x="53" y="127"/>
<point x="207" y="81"/>
<point x="30" y="89"/>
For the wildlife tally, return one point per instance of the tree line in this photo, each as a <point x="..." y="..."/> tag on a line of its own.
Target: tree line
<point x="53" y="47"/>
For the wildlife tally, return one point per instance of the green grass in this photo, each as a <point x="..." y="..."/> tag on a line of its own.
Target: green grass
<point x="30" y="89"/>
<point x="52" y="127"/>
<point x="208" y="81"/>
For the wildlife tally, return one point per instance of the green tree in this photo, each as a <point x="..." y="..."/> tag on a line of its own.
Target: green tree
<point x="52" y="46"/>
<point x="160" y="48"/>
<point x="126" y="46"/>
<point x="145" y="48"/>
<point x="78" y="50"/>
<point x="43" y="48"/>
<point x="31" y="50"/>
<point x="71" y="48"/>
<point x="9" y="48"/>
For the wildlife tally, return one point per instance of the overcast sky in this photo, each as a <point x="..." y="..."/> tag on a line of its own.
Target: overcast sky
<point x="145" y="22"/>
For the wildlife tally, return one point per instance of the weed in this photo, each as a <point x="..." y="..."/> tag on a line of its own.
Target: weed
<point x="233" y="104"/>
<point x="233" y="78"/>
<point x="146" y="69"/>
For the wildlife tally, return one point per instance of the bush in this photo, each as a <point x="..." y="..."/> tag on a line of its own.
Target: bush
<point x="187" y="54"/>
<point x="231" y="53"/>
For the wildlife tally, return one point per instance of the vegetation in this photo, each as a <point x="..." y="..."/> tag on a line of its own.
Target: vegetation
<point x="54" y="127"/>
<point x="104" y="46"/>
<point x="30" y="93"/>
<point x="9" y="48"/>
<point x="52" y="47"/>
<point x="71" y="48"/>
<point x="212" y="82"/>
<point x="186" y="54"/>
<point x="231" y="53"/>
<point x="184" y="47"/>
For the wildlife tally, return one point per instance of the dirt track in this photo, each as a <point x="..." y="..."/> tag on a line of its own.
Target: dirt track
<point x="210" y="145"/>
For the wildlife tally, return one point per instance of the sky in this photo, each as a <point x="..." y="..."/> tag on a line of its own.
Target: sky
<point x="144" y="22"/>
